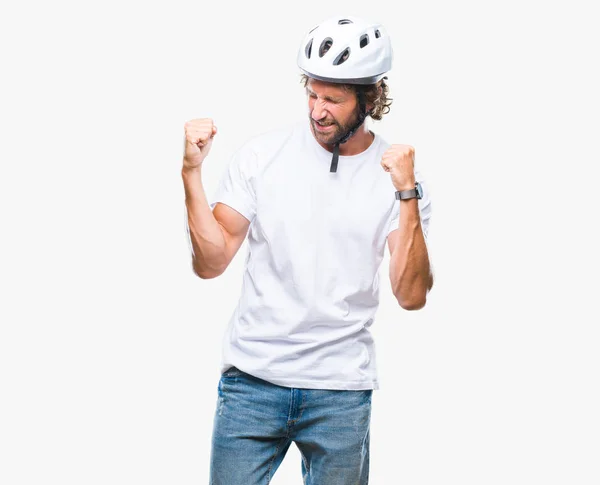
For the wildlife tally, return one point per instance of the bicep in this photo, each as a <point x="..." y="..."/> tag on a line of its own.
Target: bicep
<point x="235" y="228"/>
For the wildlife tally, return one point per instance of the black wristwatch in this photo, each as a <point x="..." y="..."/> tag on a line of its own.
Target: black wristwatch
<point x="411" y="193"/>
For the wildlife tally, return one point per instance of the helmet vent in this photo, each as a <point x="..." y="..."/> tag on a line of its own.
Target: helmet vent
<point x="345" y="21"/>
<point x="308" y="49"/>
<point x="325" y="46"/>
<point x="377" y="34"/>
<point x="364" y="40"/>
<point x="341" y="58"/>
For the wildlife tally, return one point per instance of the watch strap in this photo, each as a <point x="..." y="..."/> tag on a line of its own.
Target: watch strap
<point x="406" y="194"/>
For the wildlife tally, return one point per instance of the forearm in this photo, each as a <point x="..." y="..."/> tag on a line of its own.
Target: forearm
<point x="206" y="235"/>
<point x="410" y="271"/>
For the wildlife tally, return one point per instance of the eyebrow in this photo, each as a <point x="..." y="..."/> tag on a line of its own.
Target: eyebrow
<point x="328" y="98"/>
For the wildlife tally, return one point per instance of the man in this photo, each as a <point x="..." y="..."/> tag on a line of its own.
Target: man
<point x="318" y="201"/>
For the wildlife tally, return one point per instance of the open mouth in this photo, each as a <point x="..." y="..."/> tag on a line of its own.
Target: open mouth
<point x="326" y="127"/>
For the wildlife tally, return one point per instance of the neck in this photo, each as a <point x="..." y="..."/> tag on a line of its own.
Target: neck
<point x="358" y="143"/>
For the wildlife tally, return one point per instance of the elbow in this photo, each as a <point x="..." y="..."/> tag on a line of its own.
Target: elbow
<point x="206" y="273"/>
<point x="416" y="297"/>
<point x="413" y="303"/>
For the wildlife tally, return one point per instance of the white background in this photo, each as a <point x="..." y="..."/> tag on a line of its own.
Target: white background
<point x="109" y="344"/>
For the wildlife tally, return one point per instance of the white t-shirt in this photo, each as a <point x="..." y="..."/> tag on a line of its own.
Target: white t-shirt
<point x="315" y="244"/>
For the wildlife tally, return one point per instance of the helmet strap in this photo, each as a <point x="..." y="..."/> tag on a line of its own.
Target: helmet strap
<point x="334" y="160"/>
<point x="362" y="104"/>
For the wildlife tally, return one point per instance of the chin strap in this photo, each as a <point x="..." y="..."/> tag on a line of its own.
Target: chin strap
<point x="361" y="118"/>
<point x="334" y="160"/>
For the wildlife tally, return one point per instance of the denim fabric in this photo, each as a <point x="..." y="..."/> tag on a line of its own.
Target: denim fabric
<point x="256" y="421"/>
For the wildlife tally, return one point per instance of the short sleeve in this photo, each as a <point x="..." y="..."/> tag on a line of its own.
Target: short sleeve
<point x="424" y="209"/>
<point x="237" y="185"/>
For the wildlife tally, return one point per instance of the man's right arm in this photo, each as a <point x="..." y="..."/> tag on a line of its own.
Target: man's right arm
<point x="215" y="235"/>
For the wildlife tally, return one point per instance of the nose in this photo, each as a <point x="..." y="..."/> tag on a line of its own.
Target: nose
<point x="318" y="111"/>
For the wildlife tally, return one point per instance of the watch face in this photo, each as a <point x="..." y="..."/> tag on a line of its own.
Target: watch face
<point x="419" y="190"/>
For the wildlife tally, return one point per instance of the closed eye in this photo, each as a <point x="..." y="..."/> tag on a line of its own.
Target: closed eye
<point x="329" y="100"/>
<point x="326" y="98"/>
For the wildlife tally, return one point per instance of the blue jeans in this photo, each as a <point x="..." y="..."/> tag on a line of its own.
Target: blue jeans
<point x="256" y="421"/>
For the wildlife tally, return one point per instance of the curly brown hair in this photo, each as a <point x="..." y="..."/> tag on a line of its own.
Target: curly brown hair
<point x="375" y="94"/>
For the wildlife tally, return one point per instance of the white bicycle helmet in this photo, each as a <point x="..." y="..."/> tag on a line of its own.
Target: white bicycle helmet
<point x="346" y="50"/>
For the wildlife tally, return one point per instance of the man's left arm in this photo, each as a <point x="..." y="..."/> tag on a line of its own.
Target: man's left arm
<point x="410" y="271"/>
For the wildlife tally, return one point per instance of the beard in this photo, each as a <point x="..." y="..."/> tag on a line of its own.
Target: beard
<point x="339" y="130"/>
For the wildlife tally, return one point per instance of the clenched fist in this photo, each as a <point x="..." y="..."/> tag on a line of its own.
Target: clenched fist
<point x="199" y="135"/>
<point x="399" y="161"/>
